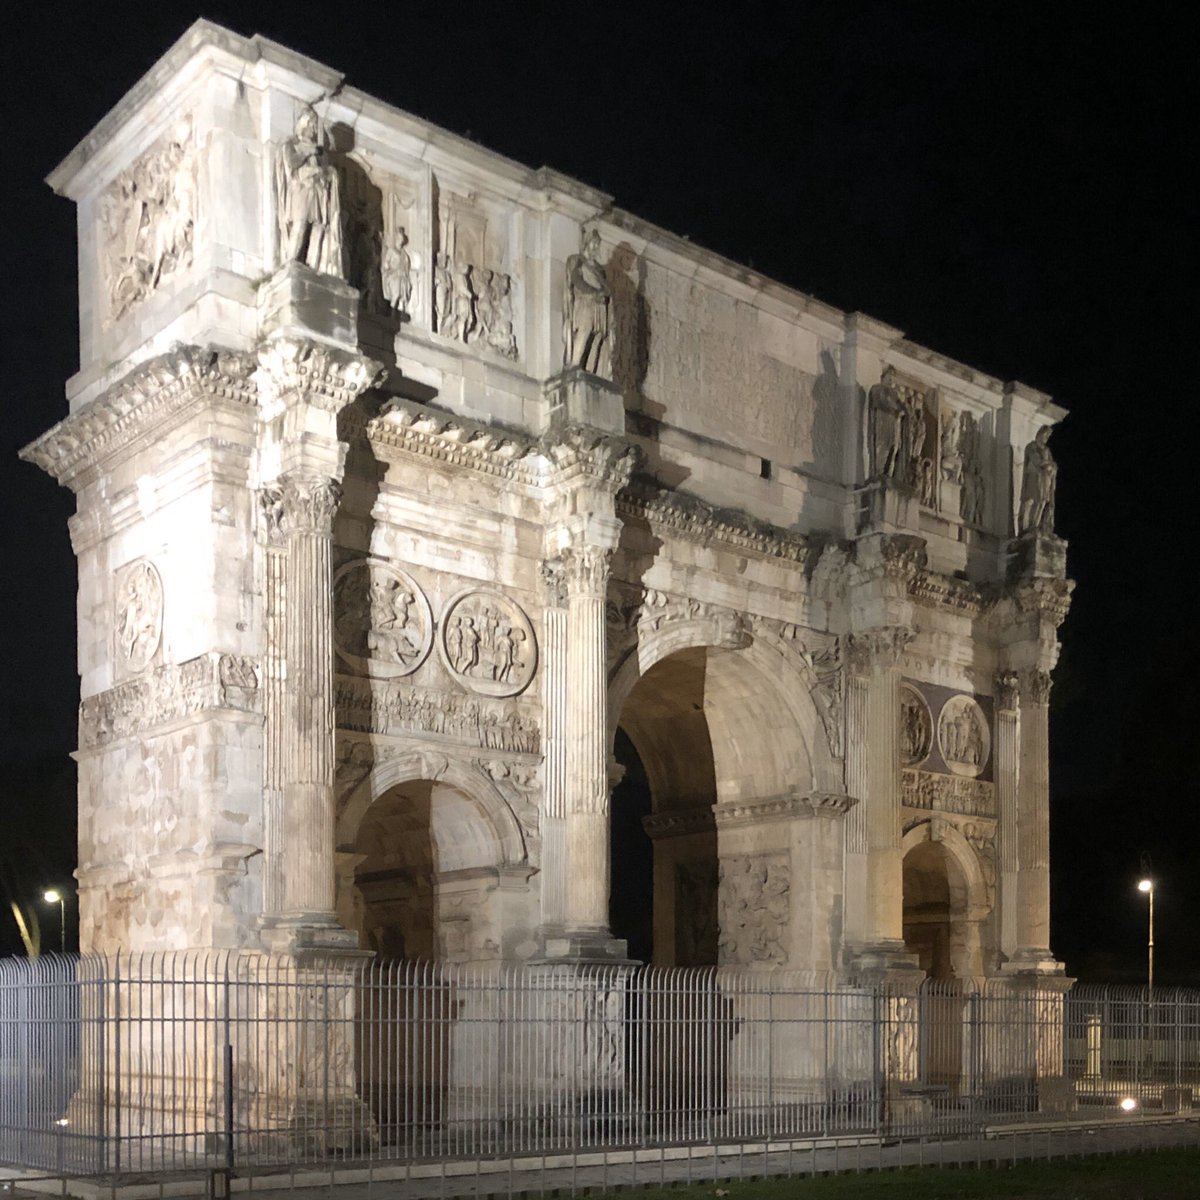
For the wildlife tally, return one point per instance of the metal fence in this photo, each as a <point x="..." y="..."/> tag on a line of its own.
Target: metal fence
<point x="150" y="1063"/>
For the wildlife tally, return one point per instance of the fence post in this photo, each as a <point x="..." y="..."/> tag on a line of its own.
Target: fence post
<point x="229" y="1155"/>
<point x="117" y="1062"/>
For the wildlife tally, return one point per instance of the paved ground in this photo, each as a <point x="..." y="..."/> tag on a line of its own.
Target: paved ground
<point x="595" y="1172"/>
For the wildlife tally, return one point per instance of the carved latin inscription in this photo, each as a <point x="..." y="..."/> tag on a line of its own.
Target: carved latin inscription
<point x="139" y="614"/>
<point x="487" y="643"/>
<point x="383" y="625"/>
<point x="753" y="908"/>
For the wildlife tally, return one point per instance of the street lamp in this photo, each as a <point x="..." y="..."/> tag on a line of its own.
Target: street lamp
<point x="54" y="896"/>
<point x="1147" y="886"/>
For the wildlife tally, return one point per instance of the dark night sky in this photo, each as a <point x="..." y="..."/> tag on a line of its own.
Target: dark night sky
<point x="1004" y="182"/>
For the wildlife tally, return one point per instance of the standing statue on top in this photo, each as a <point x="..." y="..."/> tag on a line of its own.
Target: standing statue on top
<point x="887" y="417"/>
<point x="308" y="200"/>
<point x="1037" y="486"/>
<point x="586" y="310"/>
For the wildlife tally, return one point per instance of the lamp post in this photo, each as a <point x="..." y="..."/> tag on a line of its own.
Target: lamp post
<point x="1147" y="886"/>
<point x="54" y="896"/>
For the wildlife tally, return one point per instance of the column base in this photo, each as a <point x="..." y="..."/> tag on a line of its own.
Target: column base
<point x="883" y="961"/>
<point x="584" y="946"/>
<point x="309" y="932"/>
<point x="1041" y="963"/>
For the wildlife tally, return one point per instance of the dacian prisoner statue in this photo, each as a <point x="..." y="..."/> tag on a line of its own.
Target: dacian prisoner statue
<point x="382" y="621"/>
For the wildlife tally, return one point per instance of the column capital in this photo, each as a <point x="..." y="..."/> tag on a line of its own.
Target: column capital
<point x="295" y="371"/>
<point x="877" y="649"/>
<point x="301" y="504"/>
<point x="585" y="569"/>
<point x="1035" y="685"/>
<point x="1008" y="691"/>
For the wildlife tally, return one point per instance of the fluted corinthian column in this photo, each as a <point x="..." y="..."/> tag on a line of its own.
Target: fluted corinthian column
<point x="274" y="658"/>
<point x="1033" y="819"/>
<point x="1007" y="767"/>
<point x="586" y="777"/>
<point x="554" y="708"/>
<point x="873" y="749"/>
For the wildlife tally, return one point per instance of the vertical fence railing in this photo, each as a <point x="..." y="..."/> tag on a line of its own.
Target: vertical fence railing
<point x="147" y="1063"/>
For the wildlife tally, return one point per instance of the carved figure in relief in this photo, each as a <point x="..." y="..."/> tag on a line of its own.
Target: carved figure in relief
<point x="971" y="470"/>
<point x="963" y="737"/>
<point x="886" y="414"/>
<point x="443" y="289"/>
<point x="139" y="615"/>
<point x="503" y="338"/>
<point x="753" y="901"/>
<point x="462" y="303"/>
<point x="308" y="200"/>
<point x="148" y="217"/>
<point x="914" y="438"/>
<point x="397" y="273"/>
<point x="1037" y="486"/>
<point x="488" y="643"/>
<point x="586" y="305"/>
<point x="916" y="726"/>
<point x="394" y="633"/>
<point x="483" y="290"/>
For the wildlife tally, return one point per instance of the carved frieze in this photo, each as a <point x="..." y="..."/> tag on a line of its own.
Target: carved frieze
<point x="487" y="643"/>
<point x="138" y="625"/>
<point x="963" y="736"/>
<point x="390" y="706"/>
<point x="916" y="726"/>
<point x="382" y="622"/>
<point x="148" y="218"/>
<point x="166" y="695"/>
<point x="752" y="909"/>
<point x="947" y="793"/>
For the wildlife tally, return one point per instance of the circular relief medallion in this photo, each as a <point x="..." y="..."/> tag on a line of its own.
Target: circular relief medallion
<point x="139" y="614"/>
<point x="487" y="643"/>
<point x="963" y="736"/>
<point x="916" y="726"/>
<point x="382" y="624"/>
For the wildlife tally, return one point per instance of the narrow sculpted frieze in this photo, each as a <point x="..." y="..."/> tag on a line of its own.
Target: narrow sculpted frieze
<point x="947" y="793"/>
<point x="392" y="707"/>
<point x="166" y="695"/>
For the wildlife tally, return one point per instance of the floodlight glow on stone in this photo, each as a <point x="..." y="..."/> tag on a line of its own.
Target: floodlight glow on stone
<point x="1128" y="1104"/>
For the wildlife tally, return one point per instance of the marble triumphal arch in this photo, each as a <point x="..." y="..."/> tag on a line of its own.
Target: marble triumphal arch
<point x="434" y="513"/>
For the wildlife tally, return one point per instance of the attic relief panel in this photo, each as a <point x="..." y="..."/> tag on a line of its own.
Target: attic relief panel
<point x="473" y="289"/>
<point x="147" y="221"/>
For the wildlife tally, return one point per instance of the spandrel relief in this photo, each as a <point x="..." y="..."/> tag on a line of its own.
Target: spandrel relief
<point x="487" y="643"/>
<point x="148" y="217"/>
<point x="383" y="625"/>
<point x="139" y="616"/>
<point x="963" y="736"/>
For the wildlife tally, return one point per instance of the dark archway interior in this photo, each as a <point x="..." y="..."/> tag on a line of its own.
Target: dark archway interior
<point x="664" y="891"/>
<point x="631" y="900"/>
<point x="927" y="908"/>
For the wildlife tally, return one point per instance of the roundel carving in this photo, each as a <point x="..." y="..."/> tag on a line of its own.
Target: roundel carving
<point x="963" y="736"/>
<point x="487" y="643"/>
<point x="139" y="612"/>
<point x="382" y="625"/>
<point x="916" y="727"/>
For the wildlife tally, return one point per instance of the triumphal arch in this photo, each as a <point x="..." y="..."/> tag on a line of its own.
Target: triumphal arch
<point x="429" y="506"/>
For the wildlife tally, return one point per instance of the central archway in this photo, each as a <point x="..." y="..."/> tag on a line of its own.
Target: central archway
<point x="720" y="745"/>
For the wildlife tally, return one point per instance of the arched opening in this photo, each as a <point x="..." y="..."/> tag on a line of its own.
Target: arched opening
<point x="928" y="908"/>
<point x="664" y="842"/>
<point x="425" y="876"/>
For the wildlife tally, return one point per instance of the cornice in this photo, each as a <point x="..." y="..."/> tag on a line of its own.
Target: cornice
<point x="679" y="823"/>
<point x="683" y="515"/>
<point x="406" y="427"/>
<point x="944" y="591"/>
<point x="774" y="808"/>
<point x="296" y="370"/>
<point x="140" y="405"/>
